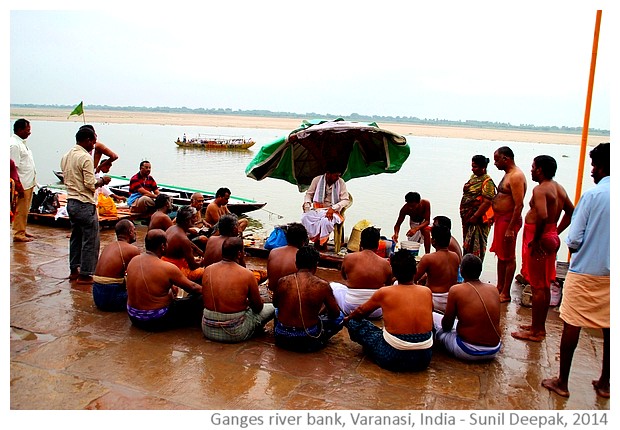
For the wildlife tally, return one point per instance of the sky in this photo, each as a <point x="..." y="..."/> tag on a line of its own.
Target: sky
<point x="519" y="63"/>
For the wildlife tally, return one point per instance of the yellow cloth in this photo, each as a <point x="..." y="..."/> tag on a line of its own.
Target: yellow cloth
<point x="585" y="300"/>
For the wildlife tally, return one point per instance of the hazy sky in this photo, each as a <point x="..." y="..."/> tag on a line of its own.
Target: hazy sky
<point x="525" y="63"/>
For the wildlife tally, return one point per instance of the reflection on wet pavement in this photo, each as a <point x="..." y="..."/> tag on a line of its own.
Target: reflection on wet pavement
<point x="66" y="354"/>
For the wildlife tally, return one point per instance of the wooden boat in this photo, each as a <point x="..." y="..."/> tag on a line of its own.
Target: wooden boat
<point x="181" y="196"/>
<point x="215" y="142"/>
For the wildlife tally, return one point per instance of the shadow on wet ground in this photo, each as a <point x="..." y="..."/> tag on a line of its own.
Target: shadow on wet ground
<point x="66" y="354"/>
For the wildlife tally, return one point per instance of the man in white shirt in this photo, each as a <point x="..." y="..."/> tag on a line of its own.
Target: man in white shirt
<point x="22" y="157"/>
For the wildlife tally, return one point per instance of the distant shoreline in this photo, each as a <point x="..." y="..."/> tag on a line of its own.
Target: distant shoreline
<point x="129" y="117"/>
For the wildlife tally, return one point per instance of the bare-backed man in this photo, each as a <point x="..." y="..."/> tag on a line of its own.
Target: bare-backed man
<point x="109" y="289"/>
<point x="406" y="340"/>
<point x="440" y="267"/>
<point x="227" y="225"/>
<point x="507" y="208"/>
<point x="299" y="299"/>
<point x="364" y="273"/>
<point x="150" y="299"/>
<point x="281" y="261"/>
<point x="180" y="250"/>
<point x="234" y="310"/>
<point x="160" y="218"/>
<point x="474" y="306"/>
<point x="419" y="212"/>
<point x="541" y="241"/>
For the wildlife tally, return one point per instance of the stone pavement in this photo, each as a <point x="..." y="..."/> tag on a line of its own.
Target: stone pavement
<point x="66" y="354"/>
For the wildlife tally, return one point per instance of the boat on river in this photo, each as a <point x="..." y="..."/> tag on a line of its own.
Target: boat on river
<point x="181" y="196"/>
<point x="215" y="142"/>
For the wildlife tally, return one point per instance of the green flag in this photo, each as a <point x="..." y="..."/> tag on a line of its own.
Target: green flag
<point x="79" y="110"/>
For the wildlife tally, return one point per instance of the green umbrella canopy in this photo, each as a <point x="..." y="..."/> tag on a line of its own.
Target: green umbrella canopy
<point x="358" y="149"/>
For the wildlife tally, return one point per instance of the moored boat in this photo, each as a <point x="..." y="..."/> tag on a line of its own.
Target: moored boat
<point x="215" y="142"/>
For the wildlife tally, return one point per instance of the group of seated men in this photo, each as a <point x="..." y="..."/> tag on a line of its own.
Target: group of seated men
<point x="222" y="296"/>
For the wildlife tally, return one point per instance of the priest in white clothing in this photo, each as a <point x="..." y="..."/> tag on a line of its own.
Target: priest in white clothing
<point x="323" y="203"/>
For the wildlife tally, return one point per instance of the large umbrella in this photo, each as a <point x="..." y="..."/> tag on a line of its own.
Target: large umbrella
<point x="358" y="149"/>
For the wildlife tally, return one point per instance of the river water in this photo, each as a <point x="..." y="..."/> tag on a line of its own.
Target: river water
<point x="437" y="168"/>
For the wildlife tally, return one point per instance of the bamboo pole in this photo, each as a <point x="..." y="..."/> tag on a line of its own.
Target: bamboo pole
<point x="586" y="118"/>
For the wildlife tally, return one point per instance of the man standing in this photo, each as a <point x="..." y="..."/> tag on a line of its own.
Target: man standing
<point x="324" y="201"/>
<point x="299" y="300"/>
<point x="440" y="267"/>
<point x="405" y="343"/>
<point x="24" y="162"/>
<point x="281" y="261"/>
<point x="474" y="306"/>
<point x="143" y="189"/>
<point x="585" y="302"/>
<point x="419" y="212"/>
<point x="507" y="207"/>
<point x="218" y="208"/>
<point x="365" y="272"/>
<point x="234" y="310"/>
<point x="109" y="289"/>
<point x="79" y="176"/>
<point x="541" y="241"/>
<point x="150" y="303"/>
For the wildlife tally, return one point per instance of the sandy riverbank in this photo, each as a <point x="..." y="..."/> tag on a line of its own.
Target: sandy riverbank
<point x="126" y="117"/>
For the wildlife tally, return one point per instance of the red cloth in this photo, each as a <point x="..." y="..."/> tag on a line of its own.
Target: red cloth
<point x="138" y="181"/>
<point x="502" y="250"/>
<point x="541" y="270"/>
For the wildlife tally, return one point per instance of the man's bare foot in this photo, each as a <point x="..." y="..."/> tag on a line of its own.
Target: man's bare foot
<point x="84" y="279"/>
<point x="553" y="384"/>
<point x="30" y="235"/>
<point x="525" y="327"/>
<point x="74" y="275"/>
<point x="528" y="335"/>
<point x="601" y="390"/>
<point x="22" y="239"/>
<point x="504" y="299"/>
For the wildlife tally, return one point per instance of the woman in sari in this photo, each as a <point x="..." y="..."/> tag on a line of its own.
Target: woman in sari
<point x="478" y="193"/>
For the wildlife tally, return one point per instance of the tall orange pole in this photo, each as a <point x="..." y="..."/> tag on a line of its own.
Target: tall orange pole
<point x="586" y="118"/>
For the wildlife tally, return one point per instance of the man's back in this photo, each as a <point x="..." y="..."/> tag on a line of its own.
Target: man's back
<point x="365" y="269"/>
<point x="478" y="323"/>
<point x="407" y="309"/>
<point x="555" y="199"/>
<point x="179" y="246"/>
<point x="149" y="282"/>
<point x="115" y="258"/>
<point x="441" y="268"/>
<point x="228" y="288"/>
<point x="213" y="250"/>
<point x="160" y="220"/>
<point x="281" y="262"/>
<point x="299" y="298"/>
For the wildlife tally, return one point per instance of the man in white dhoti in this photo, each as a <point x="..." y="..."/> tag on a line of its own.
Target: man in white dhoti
<point x="585" y="299"/>
<point x="323" y="203"/>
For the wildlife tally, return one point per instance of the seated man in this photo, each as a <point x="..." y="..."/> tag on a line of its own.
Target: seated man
<point x="323" y="204"/>
<point x="213" y="250"/>
<point x="200" y="230"/>
<point x="454" y="246"/>
<point x="109" y="290"/>
<point x="218" y="208"/>
<point x="365" y="272"/>
<point x="299" y="298"/>
<point x="474" y="305"/>
<point x="440" y="267"/>
<point x="234" y="310"/>
<point x="419" y="212"/>
<point x="143" y="189"/>
<point x="100" y="171"/>
<point x="406" y="340"/>
<point x="160" y="218"/>
<point x="281" y="261"/>
<point x="180" y="251"/>
<point x="150" y="301"/>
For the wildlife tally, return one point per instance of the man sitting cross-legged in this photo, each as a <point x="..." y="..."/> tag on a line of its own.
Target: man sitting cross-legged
<point x="180" y="250"/>
<point x="299" y="298"/>
<point x="474" y="305"/>
<point x="234" y="310"/>
<point x="150" y="302"/>
<point x="365" y="272"/>
<point x="227" y="228"/>
<point x="160" y="218"/>
<point x="440" y="267"/>
<point x="281" y="261"/>
<point x="405" y="342"/>
<point x="109" y="290"/>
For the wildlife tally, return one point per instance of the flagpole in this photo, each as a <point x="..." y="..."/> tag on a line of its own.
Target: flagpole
<point x="586" y="119"/>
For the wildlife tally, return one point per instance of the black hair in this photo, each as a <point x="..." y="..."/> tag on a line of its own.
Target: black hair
<point x="222" y="192"/>
<point x="441" y="235"/>
<point x="412" y="197"/>
<point x="227" y="224"/>
<point x="161" y="200"/>
<point x="471" y="267"/>
<point x="504" y="150"/>
<point x="84" y="134"/>
<point x="547" y="164"/>
<point x="403" y="266"/>
<point x="20" y="125"/>
<point x="307" y="257"/>
<point x="480" y="161"/>
<point x="370" y="238"/>
<point x="231" y="247"/>
<point x="600" y="156"/>
<point x="296" y="235"/>
<point x="154" y="239"/>
<point x="444" y="221"/>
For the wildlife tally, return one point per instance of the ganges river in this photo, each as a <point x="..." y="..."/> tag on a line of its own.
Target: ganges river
<point x="437" y="168"/>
